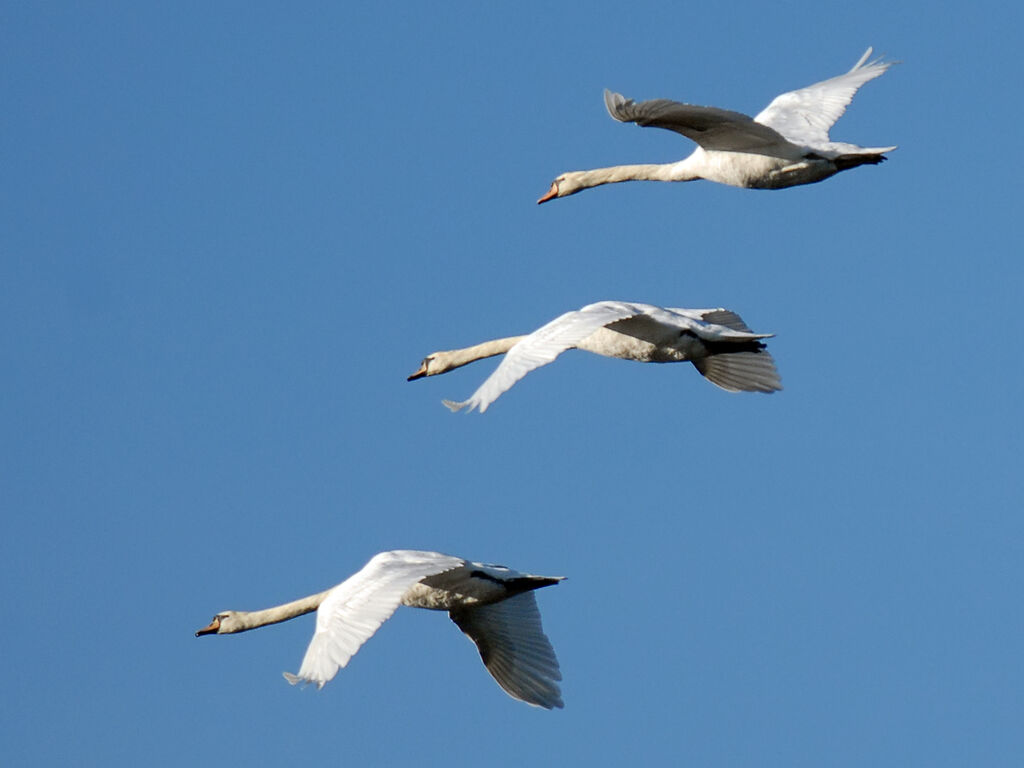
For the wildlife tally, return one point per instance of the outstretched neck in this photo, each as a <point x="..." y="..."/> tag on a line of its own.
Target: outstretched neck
<point x="457" y="358"/>
<point x="643" y="172"/>
<point x="247" y="620"/>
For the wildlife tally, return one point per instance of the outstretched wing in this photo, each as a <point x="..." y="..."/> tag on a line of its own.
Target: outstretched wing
<point x="710" y="127"/>
<point x="805" y="116"/>
<point x="354" y="609"/>
<point x="515" y="649"/>
<point x="729" y="365"/>
<point x="543" y="346"/>
<point x="722" y="318"/>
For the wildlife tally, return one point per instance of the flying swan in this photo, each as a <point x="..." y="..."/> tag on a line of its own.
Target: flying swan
<point x="492" y="604"/>
<point x="716" y="341"/>
<point x="785" y="145"/>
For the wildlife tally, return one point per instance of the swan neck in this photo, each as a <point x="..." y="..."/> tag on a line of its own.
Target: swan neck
<point x="457" y="358"/>
<point x="253" y="619"/>
<point x="617" y="173"/>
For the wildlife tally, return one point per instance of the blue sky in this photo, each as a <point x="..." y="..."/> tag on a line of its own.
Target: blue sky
<point x="229" y="234"/>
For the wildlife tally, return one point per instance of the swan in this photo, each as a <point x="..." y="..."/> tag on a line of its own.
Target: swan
<point x="492" y="604"/>
<point x="716" y="341"/>
<point x="785" y="145"/>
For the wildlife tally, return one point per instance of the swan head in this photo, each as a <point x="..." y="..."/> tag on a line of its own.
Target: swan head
<point x="565" y="185"/>
<point x="223" y="624"/>
<point x="431" y="366"/>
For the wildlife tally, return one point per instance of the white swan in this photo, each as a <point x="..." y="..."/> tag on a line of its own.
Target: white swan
<point x="492" y="604"/>
<point x="785" y="145"/>
<point x="716" y="341"/>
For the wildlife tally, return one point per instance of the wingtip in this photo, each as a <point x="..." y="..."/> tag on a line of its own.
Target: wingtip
<point x="546" y="705"/>
<point x="861" y="61"/>
<point x="877" y="61"/>
<point x="612" y="102"/>
<point x="303" y="681"/>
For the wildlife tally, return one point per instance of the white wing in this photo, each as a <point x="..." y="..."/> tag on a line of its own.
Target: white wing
<point x="515" y="649"/>
<point x="544" y="345"/>
<point x="806" y="115"/>
<point x="354" y="609"/>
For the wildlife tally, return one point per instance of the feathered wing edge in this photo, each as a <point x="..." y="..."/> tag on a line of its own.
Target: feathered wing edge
<point x="356" y="608"/>
<point x="710" y="127"/>
<point x="543" y="346"/>
<point x="514" y="648"/>
<point x="750" y="370"/>
<point x="806" y="116"/>
<point x="746" y="371"/>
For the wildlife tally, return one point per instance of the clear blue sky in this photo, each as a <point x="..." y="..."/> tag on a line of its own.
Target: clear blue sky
<point x="229" y="234"/>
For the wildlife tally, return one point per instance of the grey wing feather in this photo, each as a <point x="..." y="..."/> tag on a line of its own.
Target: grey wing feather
<point x="717" y="316"/>
<point x="741" y="371"/>
<point x="725" y="317"/>
<point x="805" y="116"/>
<point x="514" y="648"/>
<point x="543" y="346"/>
<point x="710" y="127"/>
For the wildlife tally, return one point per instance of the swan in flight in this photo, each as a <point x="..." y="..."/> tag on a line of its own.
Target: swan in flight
<point x="716" y="341"/>
<point x="785" y="145"/>
<point x="492" y="604"/>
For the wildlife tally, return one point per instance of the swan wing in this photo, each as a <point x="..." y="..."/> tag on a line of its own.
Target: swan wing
<point x="354" y="609"/>
<point x="805" y="116"/>
<point x="720" y="316"/>
<point x="710" y="127"/>
<point x="725" y="317"/>
<point x="707" y="324"/>
<point x="544" y="345"/>
<point x="515" y="649"/>
<point x="745" y="371"/>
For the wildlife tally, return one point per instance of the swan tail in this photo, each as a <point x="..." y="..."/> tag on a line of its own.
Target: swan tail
<point x="872" y="156"/>
<point x="742" y="371"/>
<point x="530" y="583"/>
<point x="455" y="407"/>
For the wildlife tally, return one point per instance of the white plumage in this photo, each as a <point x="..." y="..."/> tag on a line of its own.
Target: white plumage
<point x="716" y="341"/>
<point x="492" y="604"/>
<point x="786" y="144"/>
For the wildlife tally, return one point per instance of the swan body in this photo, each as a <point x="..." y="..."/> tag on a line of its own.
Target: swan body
<point x="785" y="145"/>
<point x="716" y="341"/>
<point x="492" y="604"/>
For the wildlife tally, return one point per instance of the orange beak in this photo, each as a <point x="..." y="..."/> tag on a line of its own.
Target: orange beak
<point x="211" y="629"/>
<point x="419" y="374"/>
<point x="551" y="195"/>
